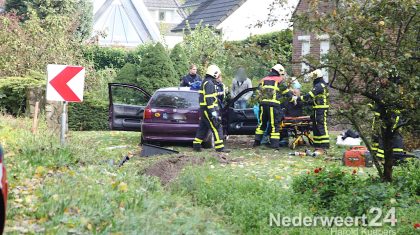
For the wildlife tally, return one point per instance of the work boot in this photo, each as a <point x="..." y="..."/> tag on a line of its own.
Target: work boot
<point x="223" y="150"/>
<point x="256" y="143"/>
<point x="197" y="147"/>
<point x="274" y="143"/>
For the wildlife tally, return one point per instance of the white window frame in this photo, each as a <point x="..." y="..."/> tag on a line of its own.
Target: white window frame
<point x="305" y="50"/>
<point x="324" y="47"/>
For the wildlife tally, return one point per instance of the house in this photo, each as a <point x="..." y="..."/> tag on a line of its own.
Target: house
<point x="306" y="43"/>
<point x="234" y="19"/>
<point x="124" y="23"/>
<point x="167" y="14"/>
<point x="129" y="23"/>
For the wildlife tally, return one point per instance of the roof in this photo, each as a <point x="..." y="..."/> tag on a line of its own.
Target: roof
<point x="211" y="12"/>
<point x="160" y="3"/>
<point x="190" y="3"/>
<point x="188" y="89"/>
<point x="125" y="23"/>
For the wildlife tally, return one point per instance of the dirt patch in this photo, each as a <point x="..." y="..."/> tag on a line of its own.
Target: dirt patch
<point x="168" y="169"/>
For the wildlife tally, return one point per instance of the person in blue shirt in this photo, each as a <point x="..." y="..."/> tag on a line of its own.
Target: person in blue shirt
<point x="191" y="77"/>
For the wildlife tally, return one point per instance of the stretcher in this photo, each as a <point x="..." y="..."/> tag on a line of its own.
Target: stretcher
<point x="298" y="127"/>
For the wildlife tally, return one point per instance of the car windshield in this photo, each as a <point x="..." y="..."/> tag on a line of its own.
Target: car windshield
<point x="175" y="99"/>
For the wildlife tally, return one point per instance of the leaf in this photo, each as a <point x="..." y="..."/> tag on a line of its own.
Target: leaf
<point x="123" y="187"/>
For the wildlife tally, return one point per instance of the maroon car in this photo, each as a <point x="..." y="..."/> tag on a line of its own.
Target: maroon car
<point x="3" y="193"/>
<point x="171" y="114"/>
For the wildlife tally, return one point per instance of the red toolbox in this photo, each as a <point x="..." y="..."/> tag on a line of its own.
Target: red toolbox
<point x="357" y="156"/>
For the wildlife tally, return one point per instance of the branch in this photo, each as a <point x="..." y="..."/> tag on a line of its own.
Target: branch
<point x="406" y="123"/>
<point x="405" y="31"/>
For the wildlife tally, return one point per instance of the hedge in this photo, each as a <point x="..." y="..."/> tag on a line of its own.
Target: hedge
<point x="89" y="115"/>
<point x="13" y="93"/>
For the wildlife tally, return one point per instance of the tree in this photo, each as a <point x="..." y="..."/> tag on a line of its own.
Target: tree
<point x="127" y="74"/>
<point x="179" y="59"/>
<point x="372" y="42"/>
<point x="79" y="11"/>
<point x="34" y="43"/>
<point x="204" y="46"/>
<point x="259" y="53"/>
<point x="156" y="69"/>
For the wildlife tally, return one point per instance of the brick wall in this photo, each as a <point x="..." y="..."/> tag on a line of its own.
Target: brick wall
<point x="303" y="6"/>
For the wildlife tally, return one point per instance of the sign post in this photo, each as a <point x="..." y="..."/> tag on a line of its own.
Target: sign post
<point x="65" y="83"/>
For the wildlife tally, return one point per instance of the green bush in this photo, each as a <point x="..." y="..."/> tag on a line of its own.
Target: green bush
<point x="180" y="60"/>
<point x="156" y="69"/>
<point x="105" y="57"/>
<point x="259" y="53"/>
<point x="89" y="115"/>
<point x="13" y="93"/>
<point x="127" y="74"/>
<point x="407" y="178"/>
<point x="339" y="193"/>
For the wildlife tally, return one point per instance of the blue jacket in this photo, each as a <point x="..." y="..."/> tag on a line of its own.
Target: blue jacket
<point x="188" y="79"/>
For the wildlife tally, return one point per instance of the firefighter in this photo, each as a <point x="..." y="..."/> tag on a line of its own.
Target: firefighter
<point x="272" y="93"/>
<point x="209" y="111"/>
<point x="221" y="90"/>
<point x="320" y="104"/>
<point x="397" y="139"/>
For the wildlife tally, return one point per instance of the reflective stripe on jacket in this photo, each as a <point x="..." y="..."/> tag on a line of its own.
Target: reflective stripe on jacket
<point x="319" y="95"/>
<point x="208" y="95"/>
<point x="273" y="90"/>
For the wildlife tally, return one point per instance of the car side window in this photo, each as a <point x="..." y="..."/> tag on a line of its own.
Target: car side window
<point x="246" y="100"/>
<point x="128" y="95"/>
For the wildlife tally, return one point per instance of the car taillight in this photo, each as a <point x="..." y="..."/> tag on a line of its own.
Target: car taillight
<point x="147" y="113"/>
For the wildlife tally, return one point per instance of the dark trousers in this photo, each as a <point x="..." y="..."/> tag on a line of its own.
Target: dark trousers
<point x="273" y="115"/>
<point x="397" y="145"/>
<point x="206" y="125"/>
<point x="320" y="129"/>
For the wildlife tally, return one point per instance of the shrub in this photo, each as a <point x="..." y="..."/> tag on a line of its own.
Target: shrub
<point x="339" y="193"/>
<point x="156" y="69"/>
<point x="13" y="93"/>
<point x="179" y="59"/>
<point x="204" y="46"/>
<point x="128" y="74"/>
<point x="259" y="53"/>
<point x="89" y="115"/>
<point x="105" y="57"/>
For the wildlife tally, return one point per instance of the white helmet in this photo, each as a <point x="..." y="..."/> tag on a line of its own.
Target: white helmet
<point x="316" y="74"/>
<point x="214" y="71"/>
<point x="279" y="68"/>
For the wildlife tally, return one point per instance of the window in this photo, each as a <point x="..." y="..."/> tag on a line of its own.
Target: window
<point x="175" y="99"/>
<point x="130" y="96"/>
<point x="324" y="48"/>
<point x="162" y="16"/>
<point x="306" y="49"/>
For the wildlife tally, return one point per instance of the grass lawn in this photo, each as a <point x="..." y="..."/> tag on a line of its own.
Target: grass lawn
<point x="79" y="188"/>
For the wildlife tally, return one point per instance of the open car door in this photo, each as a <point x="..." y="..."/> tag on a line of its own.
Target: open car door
<point x="126" y="106"/>
<point x="241" y="121"/>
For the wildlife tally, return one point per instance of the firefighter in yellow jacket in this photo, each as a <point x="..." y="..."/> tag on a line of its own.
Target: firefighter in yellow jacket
<point x="320" y="104"/>
<point x="272" y="93"/>
<point x="209" y="111"/>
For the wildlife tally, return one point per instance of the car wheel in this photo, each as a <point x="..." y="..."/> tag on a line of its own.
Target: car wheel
<point x="209" y="143"/>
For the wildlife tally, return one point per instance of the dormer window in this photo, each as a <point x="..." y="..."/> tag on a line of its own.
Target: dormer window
<point x="162" y="16"/>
